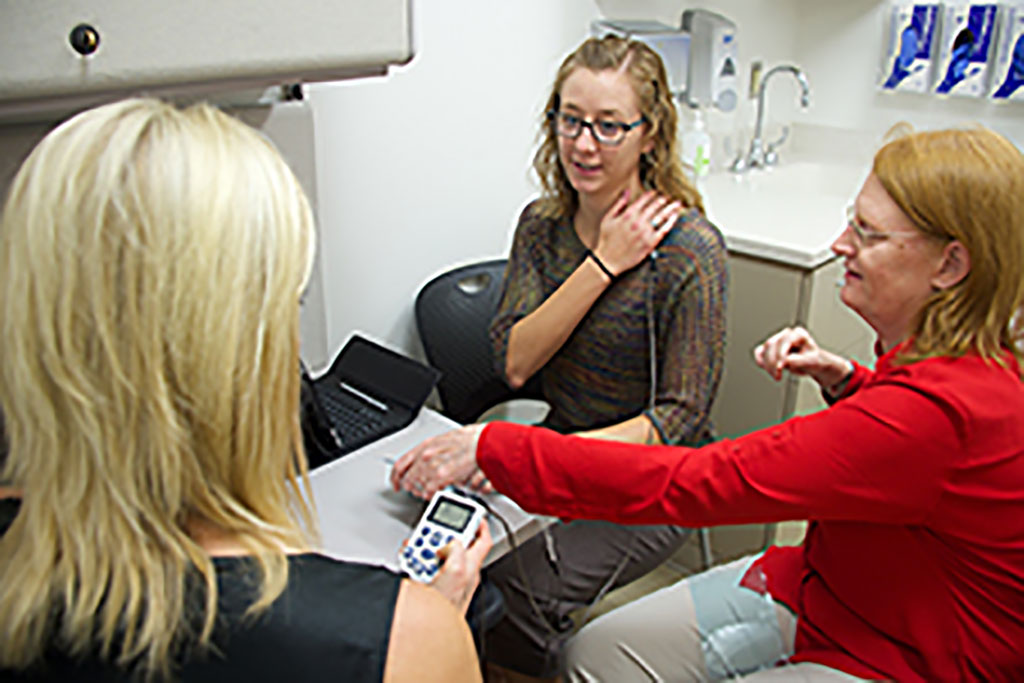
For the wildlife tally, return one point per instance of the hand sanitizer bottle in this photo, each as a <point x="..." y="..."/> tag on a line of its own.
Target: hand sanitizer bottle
<point x="696" y="148"/>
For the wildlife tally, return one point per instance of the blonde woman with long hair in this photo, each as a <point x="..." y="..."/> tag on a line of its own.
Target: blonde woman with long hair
<point x="157" y="524"/>
<point x="627" y="342"/>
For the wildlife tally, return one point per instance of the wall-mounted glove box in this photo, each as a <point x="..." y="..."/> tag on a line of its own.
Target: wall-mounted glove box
<point x="1008" y="62"/>
<point x="955" y="48"/>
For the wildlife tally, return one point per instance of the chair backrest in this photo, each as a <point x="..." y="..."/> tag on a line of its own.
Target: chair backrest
<point x="453" y="313"/>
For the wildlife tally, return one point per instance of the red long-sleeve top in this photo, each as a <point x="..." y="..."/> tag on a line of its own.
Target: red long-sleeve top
<point x="913" y="564"/>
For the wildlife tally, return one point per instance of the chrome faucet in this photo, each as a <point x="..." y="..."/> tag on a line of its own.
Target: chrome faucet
<point x="760" y="156"/>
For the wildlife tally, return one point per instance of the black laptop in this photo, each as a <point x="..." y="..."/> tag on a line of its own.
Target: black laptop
<point x="368" y="392"/>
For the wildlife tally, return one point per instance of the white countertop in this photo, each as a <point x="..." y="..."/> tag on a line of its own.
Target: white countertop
<point x="789" y="213"/>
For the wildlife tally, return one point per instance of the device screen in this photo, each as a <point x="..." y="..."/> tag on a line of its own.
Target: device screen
<point x="451" y="514"/>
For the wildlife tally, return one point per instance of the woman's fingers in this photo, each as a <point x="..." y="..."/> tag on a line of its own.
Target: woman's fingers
<point x="646" y="207"/>
<point x="786" y="349"/>
<point x="653" y="211"/>
<point x="667" y="216"/>
<point x="448" y="458"/>
<point x="459" y="574"/>
<point x="629" y="235"/>
<point x="479" y="483"/>
<point x="400" y="469"/>
<point x="759" y="356"/>
<point x="420" y="470"/>
<point x="455" y="580"/>
<point x="481" y="545"/>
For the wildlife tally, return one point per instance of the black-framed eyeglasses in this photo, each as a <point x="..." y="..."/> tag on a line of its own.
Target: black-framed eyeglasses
<point x="606" y="131"/>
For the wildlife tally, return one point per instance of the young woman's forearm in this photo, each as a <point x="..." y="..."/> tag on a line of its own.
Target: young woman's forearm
<point x="536" y="338"/>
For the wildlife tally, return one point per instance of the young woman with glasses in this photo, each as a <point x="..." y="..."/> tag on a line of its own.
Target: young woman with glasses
<point x="614" y="295"/>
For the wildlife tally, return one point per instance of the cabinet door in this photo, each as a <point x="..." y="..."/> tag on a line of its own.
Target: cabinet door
<point x="763" y="297"/>
<point x="834" y="326"/>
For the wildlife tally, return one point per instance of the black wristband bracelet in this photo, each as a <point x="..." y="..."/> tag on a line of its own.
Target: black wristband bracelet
<point x="601" y="265"/>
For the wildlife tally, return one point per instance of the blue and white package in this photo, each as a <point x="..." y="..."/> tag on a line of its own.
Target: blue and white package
<point x="1008" y="63"/>
<point x="965" y="46"/>
<point x="912" y="35"/>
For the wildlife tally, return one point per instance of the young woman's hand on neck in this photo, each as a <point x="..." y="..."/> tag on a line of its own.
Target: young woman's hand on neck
<point x="628" y="231"/>
<point x="632" y="227"/>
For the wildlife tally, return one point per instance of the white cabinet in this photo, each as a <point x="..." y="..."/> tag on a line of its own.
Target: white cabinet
<point x="779" y="225"/>
<point x="73" y="53"/>
<point x="764" y="296"/>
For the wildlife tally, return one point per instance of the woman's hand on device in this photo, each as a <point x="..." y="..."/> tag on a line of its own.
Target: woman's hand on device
<point x="631" y="231"/>
<point x="794" y="349"/>
<point x="448" y="458"/>
<point x="459" y="574"/>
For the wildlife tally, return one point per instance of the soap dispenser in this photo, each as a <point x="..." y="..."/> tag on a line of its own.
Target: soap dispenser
<point x="712" y="70"/>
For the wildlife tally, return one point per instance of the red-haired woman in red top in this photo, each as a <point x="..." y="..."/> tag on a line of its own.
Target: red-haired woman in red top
<point x="913" y="564"/>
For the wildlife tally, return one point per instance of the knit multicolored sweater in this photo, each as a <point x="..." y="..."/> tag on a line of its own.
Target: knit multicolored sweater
<point x="602" y="374"/>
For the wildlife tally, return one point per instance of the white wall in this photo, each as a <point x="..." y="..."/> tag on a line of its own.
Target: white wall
<point x="428" y="168"/>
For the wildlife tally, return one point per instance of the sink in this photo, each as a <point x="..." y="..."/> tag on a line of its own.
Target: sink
<point x="789" y="213"/>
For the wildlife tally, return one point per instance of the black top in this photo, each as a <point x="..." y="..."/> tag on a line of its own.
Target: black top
<point x="332" y="623"/>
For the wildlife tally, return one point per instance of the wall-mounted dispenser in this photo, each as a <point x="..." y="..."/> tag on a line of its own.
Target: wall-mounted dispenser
<point x="713" y="69"/>
<point x="1008" y="60"/>
<point x="967" y="36"/>
<point x="913" y="31"/>
<point x="700" y="57"/>
<point x="671" y="44"/>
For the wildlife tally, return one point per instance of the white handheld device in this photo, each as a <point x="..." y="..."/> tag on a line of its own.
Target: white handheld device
<point x="449" y="516"/>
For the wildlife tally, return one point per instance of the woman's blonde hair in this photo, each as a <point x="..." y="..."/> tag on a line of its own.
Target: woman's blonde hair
<point x="965" y="185"/>
<point x="151" y="263"/>
<point x="661" y="168"/>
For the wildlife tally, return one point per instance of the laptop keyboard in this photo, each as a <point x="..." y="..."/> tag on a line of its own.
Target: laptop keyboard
<point x="353" y="419"/>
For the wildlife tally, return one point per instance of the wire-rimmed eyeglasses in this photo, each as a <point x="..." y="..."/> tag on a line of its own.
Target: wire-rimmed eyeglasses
<point x="605" y="131"/>
<point x="865" y="235"/>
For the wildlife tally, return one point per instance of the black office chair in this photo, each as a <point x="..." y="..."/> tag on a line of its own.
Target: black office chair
<point x="453" y="313"/>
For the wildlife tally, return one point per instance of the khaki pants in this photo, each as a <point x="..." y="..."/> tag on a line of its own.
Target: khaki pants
<point x="706" y="627"/>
